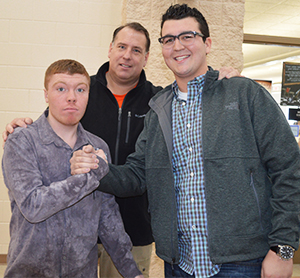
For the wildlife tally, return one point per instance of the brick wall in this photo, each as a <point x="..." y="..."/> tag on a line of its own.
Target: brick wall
<point x="225" y="19"/>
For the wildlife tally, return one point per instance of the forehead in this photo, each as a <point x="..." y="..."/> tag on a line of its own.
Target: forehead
<point x="131" y="37"/>
<point x="68" y="79"/>
<point x="177" y="26"/>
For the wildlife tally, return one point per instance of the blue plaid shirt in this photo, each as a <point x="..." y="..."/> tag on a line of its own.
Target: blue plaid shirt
<point x="187" y="163"/>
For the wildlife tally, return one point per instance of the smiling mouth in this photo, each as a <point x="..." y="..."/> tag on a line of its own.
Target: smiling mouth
<point x="181" y="58"/>
<point x="125" y="66"/>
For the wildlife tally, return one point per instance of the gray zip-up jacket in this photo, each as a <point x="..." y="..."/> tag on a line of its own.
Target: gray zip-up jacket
<point x="56" y="217"/>
<point x="251" y="171"/>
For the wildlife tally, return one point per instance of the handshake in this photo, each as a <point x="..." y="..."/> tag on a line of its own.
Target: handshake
<point x="86" y="159"/>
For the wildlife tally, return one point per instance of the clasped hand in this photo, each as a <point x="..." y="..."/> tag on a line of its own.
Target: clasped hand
<point x="86" y="159"/>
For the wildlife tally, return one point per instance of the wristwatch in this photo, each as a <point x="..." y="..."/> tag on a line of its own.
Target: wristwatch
<point x="285" y="252"/>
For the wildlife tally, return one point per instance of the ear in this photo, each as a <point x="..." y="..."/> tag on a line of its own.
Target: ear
<point x="110" y="48"/>
<point x="46" y="96"/>
<point x="208" y="43"/>
<point x="146" y="59"/>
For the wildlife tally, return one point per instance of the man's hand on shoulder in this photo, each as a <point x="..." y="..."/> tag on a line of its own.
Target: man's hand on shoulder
<point x="17" y="122"/>
<point x="228" y="72"/>
<point x="274" y="267"/>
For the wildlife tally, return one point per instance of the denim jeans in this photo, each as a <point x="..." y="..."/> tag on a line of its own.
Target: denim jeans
<point x="175" y="272"/>
<point x="247" y="269"/>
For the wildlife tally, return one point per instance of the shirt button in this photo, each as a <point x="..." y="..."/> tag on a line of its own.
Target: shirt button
<point x="192" y="174"/>
<point x="190" y="149"/>
<point x="183" y="103"/>
<point x="192" y="200"/>
<point x="188" y="125"/>
<point x="194" y="227"/>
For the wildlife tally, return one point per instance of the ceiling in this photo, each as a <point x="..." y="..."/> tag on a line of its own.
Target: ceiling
<point x="271" y="19"/>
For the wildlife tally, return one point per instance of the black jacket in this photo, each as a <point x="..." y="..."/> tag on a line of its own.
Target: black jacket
<point x="120" y="128"/>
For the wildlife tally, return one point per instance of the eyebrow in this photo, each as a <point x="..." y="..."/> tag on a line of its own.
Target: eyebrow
<point x="176" y="35"/>
<point x="81" y="83"/>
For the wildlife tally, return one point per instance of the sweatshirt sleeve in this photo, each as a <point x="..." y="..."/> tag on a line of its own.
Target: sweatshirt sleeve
<point x="280" y="155"/>
<point x="114" y="238"/>
<point x="36" y="200"/>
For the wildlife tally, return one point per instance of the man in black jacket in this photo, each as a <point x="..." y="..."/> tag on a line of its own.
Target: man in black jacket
<point x="118" y="102"/>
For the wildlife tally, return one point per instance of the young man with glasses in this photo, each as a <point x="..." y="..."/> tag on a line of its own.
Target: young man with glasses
<point x="220" y="165"/>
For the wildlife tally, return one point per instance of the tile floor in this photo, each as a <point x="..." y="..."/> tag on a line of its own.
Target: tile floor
<point x="296" y="273"/>
<point x="2" y="269"/>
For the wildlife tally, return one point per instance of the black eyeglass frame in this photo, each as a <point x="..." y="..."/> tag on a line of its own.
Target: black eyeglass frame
<point x="160" y="40"/>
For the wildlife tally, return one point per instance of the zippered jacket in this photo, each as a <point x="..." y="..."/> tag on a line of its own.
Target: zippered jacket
<point x="120" y="128"/>
<point x="251" y="172"/>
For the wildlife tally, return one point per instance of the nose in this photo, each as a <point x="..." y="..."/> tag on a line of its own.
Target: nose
<point x="177" y="44"/>
<point x="71" y="97"/>
<point x="127" y="54"/>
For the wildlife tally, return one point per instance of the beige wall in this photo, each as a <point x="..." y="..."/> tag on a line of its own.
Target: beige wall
<point x="35" y="33"/>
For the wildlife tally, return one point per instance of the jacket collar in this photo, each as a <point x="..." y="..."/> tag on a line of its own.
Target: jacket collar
<point x="161" y="104"/>
<point x="210" y="78"/>
<point x="166" y="95"/>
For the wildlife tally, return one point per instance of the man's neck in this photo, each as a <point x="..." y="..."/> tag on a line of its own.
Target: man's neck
<point x="182" y="82"/>
<point x="182" y="85"/>
<point x="66" y="133"/>
<point x="118" y="87"/>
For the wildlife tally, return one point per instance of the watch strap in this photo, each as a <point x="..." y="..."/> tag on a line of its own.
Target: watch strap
<point x="281" y="251"/>
<point x="274" y="248"/>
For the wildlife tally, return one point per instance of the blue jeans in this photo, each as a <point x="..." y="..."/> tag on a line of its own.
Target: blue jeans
<point x="247" y="269"/>
<point x="175" y="272"/>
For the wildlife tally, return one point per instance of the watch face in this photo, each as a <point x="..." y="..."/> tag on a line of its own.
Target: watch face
<point x="286" y="252"/>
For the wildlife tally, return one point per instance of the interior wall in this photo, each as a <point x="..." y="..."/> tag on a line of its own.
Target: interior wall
<point x="34" y="34"/>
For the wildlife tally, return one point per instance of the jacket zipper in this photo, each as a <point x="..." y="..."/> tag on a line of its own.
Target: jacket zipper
<point x="172" y="266"/>
<point x="128" y="127"/>
<point x="256" y="197"/>
<point x="118" y="136"/>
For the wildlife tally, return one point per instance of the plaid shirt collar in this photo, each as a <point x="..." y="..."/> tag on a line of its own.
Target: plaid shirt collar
<point x="196" y="80"/>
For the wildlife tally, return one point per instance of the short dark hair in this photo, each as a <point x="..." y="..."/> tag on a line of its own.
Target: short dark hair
<point x="137" y="27"/>
<point x="182" y="11"/>
<point x="65" y="66"/>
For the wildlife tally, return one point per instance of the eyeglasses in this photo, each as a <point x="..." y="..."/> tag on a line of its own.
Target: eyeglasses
<point x="185" y="38"/>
